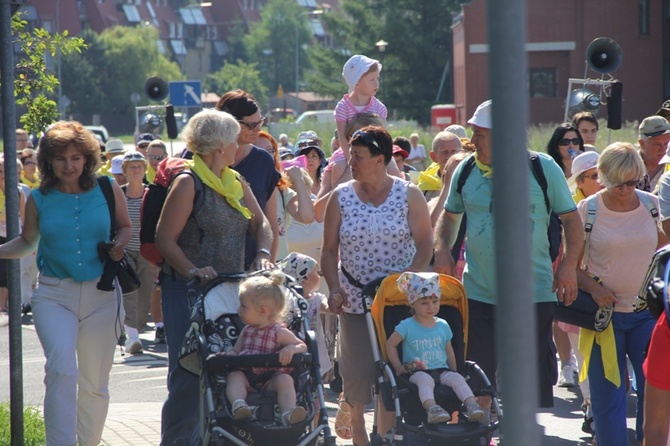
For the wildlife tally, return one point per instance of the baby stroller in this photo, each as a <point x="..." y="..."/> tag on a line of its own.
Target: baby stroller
<point x="215" y="326"/>
<point x="389" y="307"/>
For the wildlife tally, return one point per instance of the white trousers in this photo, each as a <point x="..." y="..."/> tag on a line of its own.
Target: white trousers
<point x="28" y="276"/>
<point x="75" y="323"/>
<point x="426" y="385"/>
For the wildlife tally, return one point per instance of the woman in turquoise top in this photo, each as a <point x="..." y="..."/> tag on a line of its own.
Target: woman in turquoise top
<point x="66" y="218"/>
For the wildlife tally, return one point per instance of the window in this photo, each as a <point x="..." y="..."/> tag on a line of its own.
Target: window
<point x="542" y="82"/>
<point x="643" y="17"/>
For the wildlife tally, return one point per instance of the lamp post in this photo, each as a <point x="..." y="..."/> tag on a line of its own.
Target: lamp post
<point x="381" y="46"/>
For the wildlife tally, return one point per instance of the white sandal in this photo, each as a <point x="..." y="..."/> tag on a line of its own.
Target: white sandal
<point x="240" y="410"/>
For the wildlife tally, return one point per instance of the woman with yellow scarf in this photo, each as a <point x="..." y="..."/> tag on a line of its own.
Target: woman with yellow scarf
<point x="202" y="246"/>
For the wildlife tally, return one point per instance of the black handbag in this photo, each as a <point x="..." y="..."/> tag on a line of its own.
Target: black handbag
<point x="584" y="312"/>
<point x="124" y="272"/>
<point x="127" y="276"/>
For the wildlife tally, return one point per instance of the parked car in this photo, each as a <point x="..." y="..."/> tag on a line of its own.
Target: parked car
<point x="99" y="131"/>
<point x="316" y="117"/>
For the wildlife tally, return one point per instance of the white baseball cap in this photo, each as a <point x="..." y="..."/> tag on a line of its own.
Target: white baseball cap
<point x="482" y="116"/>
<point x="117" y="165"/>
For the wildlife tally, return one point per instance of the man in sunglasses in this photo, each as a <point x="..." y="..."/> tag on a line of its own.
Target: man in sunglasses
<point x="474" y="198"/>
<point x="653" y="140"/>
<point x="156" y="152"/>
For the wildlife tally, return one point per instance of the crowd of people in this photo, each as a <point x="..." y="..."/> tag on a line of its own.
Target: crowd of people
<point x="377" y="206"/>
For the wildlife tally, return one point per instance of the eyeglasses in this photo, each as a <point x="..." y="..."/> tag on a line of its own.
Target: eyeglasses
<point x="304" y="143"/>
<point x="567" y="142"/>
<point x="30" y="163"/>
<point x="631" y="183"/>
<point x="253" y="125"/>
<point x="368" y="139"/>
<point x="156" y="157"/>
<point x="593" y="176"/>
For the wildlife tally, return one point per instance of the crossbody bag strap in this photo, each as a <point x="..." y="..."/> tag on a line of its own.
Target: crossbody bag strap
<point x="106" y="187"/>
<point x="591" y="214"/>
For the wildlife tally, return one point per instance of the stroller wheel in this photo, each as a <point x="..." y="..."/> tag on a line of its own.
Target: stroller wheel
<point x="376" y="440"/>
<point x="336" y="385"/>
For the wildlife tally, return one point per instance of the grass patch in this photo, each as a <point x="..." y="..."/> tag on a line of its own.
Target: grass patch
<point x="33" y="426"/>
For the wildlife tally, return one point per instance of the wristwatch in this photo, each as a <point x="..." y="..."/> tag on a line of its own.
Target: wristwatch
<point x="264" y="251"/>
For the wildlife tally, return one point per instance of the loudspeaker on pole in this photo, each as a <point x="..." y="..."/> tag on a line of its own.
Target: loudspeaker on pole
<point x="156" y="88"/>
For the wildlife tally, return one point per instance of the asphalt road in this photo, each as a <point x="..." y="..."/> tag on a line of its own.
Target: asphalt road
<point x="139" y="382"/>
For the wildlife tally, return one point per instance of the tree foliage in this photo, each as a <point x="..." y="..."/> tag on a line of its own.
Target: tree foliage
<point x="34" y="83"/>
<point x="419" y="46"/>
<point x="272" y="43"/>
<point x="119" y="62"/>
<point x="245" y="76"/>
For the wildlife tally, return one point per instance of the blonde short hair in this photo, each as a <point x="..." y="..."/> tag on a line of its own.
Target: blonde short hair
<point x="618" y="163"/>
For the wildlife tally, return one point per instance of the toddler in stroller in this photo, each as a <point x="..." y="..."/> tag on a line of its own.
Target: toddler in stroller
<point x="384" y="317"/>
<point x="427" y="350"/>
<point x="261" y="306"/>
<point x="260" y="382"/>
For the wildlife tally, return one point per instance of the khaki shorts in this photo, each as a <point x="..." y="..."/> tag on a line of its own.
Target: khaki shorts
<point x="357" y="366"/>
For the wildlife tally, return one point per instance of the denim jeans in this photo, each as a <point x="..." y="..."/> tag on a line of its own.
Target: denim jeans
<point x="632" y="332"/>
<point x="180" y="411"/>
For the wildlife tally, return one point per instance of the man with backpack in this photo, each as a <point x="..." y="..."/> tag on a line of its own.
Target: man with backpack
<point x="475" y="199"/>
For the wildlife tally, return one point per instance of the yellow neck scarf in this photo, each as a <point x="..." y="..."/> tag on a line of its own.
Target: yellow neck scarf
<point x="228" y="185"/>
<point x="605" y="340"/>
<point x="429" y="178"/>
<point x="151" y="174"/>
<point x="31" y="184"/>
<point x="578" y="196"/>
<point x="487" y="171"/>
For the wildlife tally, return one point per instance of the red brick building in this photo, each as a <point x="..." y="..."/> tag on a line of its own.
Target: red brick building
<point x="558" y="34"/>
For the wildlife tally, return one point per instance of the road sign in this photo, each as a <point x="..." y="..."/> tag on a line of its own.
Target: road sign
<point x="185" y="93"/>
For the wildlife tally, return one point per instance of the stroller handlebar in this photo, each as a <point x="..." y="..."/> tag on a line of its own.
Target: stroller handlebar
<point x="219" y="363"/>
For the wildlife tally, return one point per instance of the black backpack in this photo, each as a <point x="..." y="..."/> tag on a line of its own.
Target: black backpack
<point x="555" y="227"/>
<point x="153" y="201"/>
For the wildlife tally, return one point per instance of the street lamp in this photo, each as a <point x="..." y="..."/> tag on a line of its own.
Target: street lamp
<point x="381" y="46"/>
<point x="297" y="48"/>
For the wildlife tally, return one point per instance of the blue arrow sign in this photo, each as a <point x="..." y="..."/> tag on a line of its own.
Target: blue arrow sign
<point x="185" y="93"/>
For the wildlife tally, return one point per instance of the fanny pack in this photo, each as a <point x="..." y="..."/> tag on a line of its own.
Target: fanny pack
<point x="352" y="281"/>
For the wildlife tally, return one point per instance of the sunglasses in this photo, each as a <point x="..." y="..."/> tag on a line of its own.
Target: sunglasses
<point x="156" y="157"/>
<point x="567" y="142"/>
<point x="252" y="125"/>
<point x="593" y="176"/>
<point x="143" y="146"/>
<point x="304" y="143"/>
<point x="29" y="163"/>
<point x="367" y="139"/>
<point x="135" y="156"/>
<point x="631" y="183"/>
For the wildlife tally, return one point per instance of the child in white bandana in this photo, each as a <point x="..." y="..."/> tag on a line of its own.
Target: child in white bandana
<point x="426" y="344"/>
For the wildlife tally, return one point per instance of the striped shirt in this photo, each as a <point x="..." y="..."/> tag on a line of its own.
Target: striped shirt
<point x="345" y="111"/>
<point x="134" y="205"/>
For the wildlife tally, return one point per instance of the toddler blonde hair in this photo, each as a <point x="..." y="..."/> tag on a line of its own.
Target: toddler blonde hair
<point x="267" y="289"/>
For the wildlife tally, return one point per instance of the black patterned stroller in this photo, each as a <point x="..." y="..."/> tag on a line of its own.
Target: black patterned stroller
<point x="383" y="315"/>
<point x="215" y="326"/>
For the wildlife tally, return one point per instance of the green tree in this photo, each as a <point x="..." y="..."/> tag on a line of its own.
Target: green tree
<point x="120" y="60"/>
<point x="419" y="46"/>
<point x="272" y="43"/>
<point x="245" y="76"/>
<point x="34" y="83"/>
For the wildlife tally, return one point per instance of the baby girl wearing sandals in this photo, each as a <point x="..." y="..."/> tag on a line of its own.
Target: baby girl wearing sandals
<point x="426" y="345"/>
<point x="262" y="303"/>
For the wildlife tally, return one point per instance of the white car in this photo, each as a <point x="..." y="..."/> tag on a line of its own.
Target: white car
<point x="316" y="117"/>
